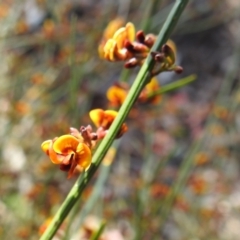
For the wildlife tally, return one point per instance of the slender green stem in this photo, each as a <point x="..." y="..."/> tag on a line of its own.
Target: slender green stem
<point x="98" y="188"/>
<point x="140" y="81"/>
<point x="175" y="85"/>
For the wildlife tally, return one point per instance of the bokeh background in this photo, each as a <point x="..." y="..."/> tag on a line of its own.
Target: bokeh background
<point x="175" y="173"/>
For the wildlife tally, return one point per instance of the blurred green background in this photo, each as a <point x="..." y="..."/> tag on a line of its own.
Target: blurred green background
<point x="176" y="171"/>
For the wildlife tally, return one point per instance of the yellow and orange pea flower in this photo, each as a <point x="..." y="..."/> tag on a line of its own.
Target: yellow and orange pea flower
<point x="73" y="151"/>
<point x="108" y="33"/>
<point x="117" y="93"/>
<point x="121" y="46"/>
<point x="103" y="120"/>
<point x="69" y="152"/>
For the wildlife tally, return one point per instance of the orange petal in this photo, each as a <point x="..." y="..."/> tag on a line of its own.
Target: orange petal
<point x="104" y="119"/>
<point x="130" y="30"/>
<point x="111" y="113"/>
<point x="109" y="116"/>
<point x="47" y="148"/>
<point x="109" y="50"/>
<point x="150" y="89"/>
<point x="96" y="116"/>
<point x="65" y="144"/>
<point x="153" y="85"/>
<point x="116" y="95"/>
<point x="112" y="27"/>
<point x="120" y="36"/>
<point x="83" y="156"/>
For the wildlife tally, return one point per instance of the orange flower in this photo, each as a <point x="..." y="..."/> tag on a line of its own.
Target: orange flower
<point x="103" y="120"/>
<point x="114" y="49"/>
<point x="108" y="33"/>
<point x="69" y="152"/>
<point x="116" y="94"/>
<point x="133" y="48"/>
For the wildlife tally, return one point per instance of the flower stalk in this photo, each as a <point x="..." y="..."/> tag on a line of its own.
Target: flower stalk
<point x="141" y="80"/>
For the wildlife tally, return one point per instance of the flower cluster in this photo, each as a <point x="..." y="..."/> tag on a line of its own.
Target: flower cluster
<point x="74" y="150"/>
<point x="133" y="48"/>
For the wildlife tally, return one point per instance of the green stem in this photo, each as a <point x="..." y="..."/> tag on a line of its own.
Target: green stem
<point x="98" y="188"/>
<point x="140" y="81"/>
<point x="175" y="85"/>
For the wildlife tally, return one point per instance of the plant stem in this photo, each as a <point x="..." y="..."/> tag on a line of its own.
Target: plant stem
<point x="175" y="85"/>
<point x="98" y="187"/>
<point x="140" y="81"/>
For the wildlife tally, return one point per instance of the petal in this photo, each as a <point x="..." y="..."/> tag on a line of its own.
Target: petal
<point x="130" y="30"/>
<point x="96" y="116"/>
<point x="153" y="85"/>
<point x="113" y="27"/>
<point x="116" y="95"/>
<point x="102" y="118"/>
<point x="111" y="113"/>
<point x="45" y="146"/>
<point x="150" y="88"/>
<point x="109" y="116"/>
<point x="55" y="158"/>
<point x="65" y="144"/>
<point x="83" y="156"/>
<point x="109" y="49"/>
<point x="120" y="36"/>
